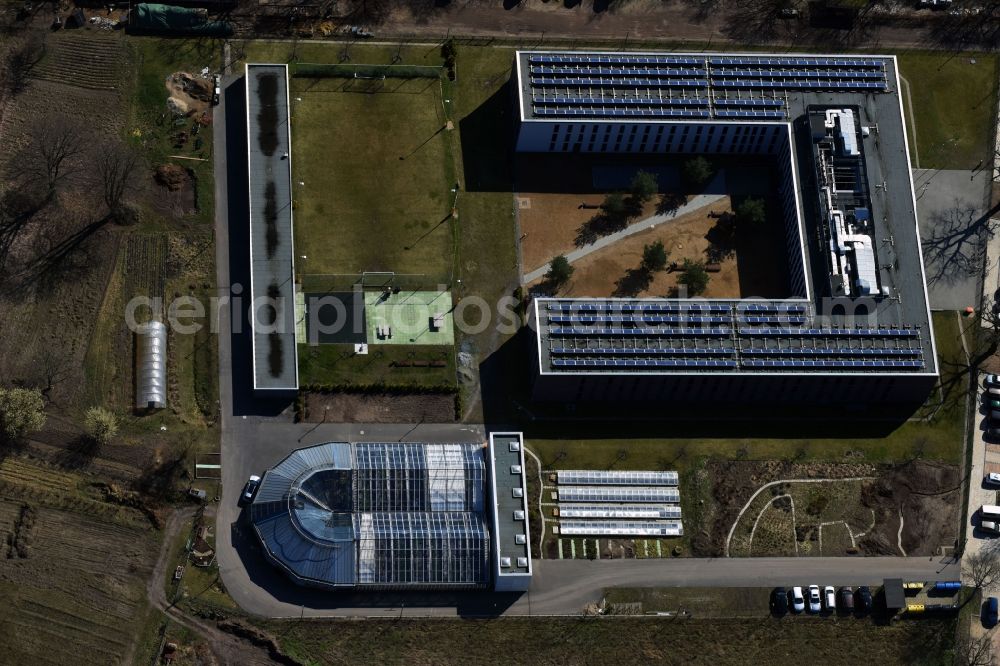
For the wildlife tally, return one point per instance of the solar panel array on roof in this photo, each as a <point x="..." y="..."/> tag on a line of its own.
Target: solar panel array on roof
<point x="588" y="58"/>
<point x="619" y="101"/>
<point x="757" y="81"/>
<point x="591" y="477"/>
<point x="641" y="351"/>
<point x="616" y="306"/>
<point x="621" y="511"/>
<point x="797" y="364"/>
<point x="671" y="336"/>
<point x="620" y="528"/>
<point x="636" y="331"/>
<point x="655" y="494"/>
<point x="643" y="363"/>
<point x="793" y="61"/>
<point x="640" y="112"/>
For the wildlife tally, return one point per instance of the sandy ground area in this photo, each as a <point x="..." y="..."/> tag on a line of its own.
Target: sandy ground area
<point x="549" y="223"/>
<point x="752" y="264"/>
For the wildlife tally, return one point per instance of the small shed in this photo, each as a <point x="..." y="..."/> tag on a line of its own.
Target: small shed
<point x="895" y="596"/>
<point x="151" y="366"/>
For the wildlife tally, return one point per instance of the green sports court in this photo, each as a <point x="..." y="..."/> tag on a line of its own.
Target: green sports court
<point x="409" y="317"/>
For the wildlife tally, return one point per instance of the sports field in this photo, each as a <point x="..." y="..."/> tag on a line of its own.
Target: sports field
<point x="409" y="316"/>
<point x="373" y="175"/>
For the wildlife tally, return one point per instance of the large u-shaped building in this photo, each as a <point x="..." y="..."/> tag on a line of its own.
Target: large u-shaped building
<point x="855" y="325"/>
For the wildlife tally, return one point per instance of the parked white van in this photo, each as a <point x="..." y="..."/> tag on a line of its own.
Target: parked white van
<point x="989" y="511"/>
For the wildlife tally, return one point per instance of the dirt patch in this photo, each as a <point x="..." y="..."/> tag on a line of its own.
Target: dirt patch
<point x="558" y="202"/>
<point x="751" y="267"/>
<point x="379" y="408"/>
<point x="189" y="95"/>
<point x="176" y="193"/>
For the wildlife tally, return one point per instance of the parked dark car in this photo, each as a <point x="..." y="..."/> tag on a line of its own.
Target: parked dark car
<point x="990" y="611"/>
<point x="249" y="490"/>
<point x="845" y="602"/>
<point x="863" y="600"/>
<point x="779" y="601"/>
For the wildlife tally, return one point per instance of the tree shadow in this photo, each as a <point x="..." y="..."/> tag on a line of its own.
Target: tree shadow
<point x="670" y="203"/>
<point x="635" y="281"/>
<point x="963" y="31"/>
<point x="79" y="453"/>
<point x="956" y="248"/>
<point x="600" y="225"/>
<point x="753" y="21"/>
<point x="547" y="287"/>
<point x="721" y="239"/>
<point x="158" y="481"/>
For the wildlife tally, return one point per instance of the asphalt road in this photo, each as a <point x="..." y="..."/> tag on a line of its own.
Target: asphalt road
<point x="257" y="434"/>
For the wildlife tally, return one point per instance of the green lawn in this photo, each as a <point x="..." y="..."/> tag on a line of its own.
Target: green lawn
<point x="377" y="173"/>
<point x="338" y="366"/>
<point x="805" y="640"/>
<point x="699" y="601"/>
<point x="486" y="231"/>
<point x="954" y="104"/>
<point x="938" y="438"/>
<point x="478" y="248"/>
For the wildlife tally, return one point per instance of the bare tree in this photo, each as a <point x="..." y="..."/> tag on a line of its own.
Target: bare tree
<point x="55" y="142"/>
<point x="974" y="651"/>
<point x="22" y="57"/>
<point x="983" y="567"/>
<point x="116" y="169"/>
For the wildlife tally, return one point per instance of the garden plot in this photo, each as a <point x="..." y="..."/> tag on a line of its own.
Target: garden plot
<point x="774" y="531"/>
<point x="79" y="594"/>
<point x="805" y="517"/>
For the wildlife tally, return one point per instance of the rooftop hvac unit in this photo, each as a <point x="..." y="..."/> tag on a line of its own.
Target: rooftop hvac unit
<point x="522" y="561"/>
<point x="520" y="539"/>
<point x="515" y="469"/>
<point x="518" y="492"/>
<point x="505" y="561"/>
<point x="519" y="515"/>
<point x="151" y="366"/>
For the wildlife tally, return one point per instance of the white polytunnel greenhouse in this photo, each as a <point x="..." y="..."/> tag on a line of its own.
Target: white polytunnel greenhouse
<point x="151" y="366"/>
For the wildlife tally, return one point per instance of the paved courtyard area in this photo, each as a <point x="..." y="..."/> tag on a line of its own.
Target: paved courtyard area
<point x="954" y="230"/>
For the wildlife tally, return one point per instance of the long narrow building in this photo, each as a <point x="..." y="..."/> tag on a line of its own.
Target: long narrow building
<point x="272" y="251"/>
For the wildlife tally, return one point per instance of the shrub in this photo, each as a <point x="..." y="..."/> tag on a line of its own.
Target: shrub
<point x="560" y="271"/>
<point x="20" y="412"/>
<point x="654" y="257"/>
<point x="696" y="173"/>
<point x="751" y="212"/>
<point x="695" y="278"/>
<point x="644" y="187"/>
<point x="101" y="424"/>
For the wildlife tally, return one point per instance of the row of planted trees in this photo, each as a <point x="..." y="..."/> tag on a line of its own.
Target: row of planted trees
<point x="22" y="412"/>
